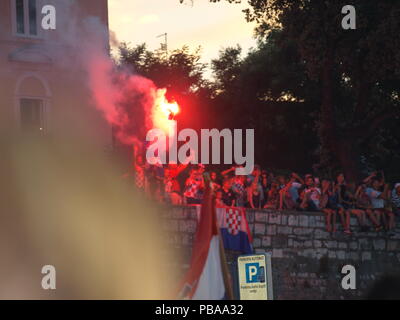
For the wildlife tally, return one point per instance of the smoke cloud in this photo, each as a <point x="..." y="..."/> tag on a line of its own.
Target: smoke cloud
<point x="125" y="99"/>
<point x="62" y="201"/>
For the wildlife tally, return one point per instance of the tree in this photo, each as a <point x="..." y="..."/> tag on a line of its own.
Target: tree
<point x="181" y="72"/>
<point x="358" y="71"/>
<point x="268" y="90"/>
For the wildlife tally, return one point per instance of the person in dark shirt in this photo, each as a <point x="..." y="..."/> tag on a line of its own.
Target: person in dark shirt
<point x="228" y="196"/>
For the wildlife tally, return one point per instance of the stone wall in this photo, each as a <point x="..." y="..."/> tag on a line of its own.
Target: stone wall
<point x="306" y="260"/>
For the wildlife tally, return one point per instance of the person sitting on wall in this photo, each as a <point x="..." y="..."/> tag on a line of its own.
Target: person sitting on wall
<point x="340" y="188"/>
<point x="363" y="203"/>
<point x="378" y="199"/>
<point x="350" y="201"/>
<point x="396" y="199"/>
<point x="289" y="194"/>
<point x="311" y="196"/>
<point x="329" y="205"/>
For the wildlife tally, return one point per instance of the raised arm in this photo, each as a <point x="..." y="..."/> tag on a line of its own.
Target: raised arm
<point x="296" y="176"/>
<point x="368" y="179"/>
<point x="227" y="171"/>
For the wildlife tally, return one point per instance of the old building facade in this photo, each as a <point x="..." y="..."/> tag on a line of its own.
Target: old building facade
<point x="42" y="91"/>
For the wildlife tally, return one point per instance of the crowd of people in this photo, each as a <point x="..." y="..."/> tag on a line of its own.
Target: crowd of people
<point x="371" y="199"/>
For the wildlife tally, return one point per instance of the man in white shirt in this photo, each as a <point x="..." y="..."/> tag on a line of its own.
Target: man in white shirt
<point x="377" y="199"/>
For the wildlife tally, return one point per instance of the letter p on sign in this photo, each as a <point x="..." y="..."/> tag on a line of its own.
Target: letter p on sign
<point x="251" y="272"/>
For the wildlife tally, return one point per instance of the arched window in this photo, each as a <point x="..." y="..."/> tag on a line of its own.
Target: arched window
<point x="32" y="104"/>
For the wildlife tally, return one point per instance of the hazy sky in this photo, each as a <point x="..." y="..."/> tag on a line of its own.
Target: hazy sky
<point x="211" y="25"/>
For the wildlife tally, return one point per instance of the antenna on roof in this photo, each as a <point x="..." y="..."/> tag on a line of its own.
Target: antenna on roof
<point x="164" y="46"/>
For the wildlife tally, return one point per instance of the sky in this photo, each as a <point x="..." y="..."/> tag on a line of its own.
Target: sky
<point x="212" y="26"/>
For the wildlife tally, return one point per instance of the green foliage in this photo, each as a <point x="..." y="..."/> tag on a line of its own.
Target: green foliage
<point x="180" y="71"/>
<point x="358" y="72"/>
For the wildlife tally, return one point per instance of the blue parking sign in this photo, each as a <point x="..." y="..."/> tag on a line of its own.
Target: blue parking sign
<point x="254" y="273"/>
<point x="255" y="277"/>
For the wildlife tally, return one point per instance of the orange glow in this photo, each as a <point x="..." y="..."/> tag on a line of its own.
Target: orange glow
<point x="163" y="111"/>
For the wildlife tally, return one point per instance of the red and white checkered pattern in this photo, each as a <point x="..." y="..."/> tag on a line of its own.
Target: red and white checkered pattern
<point x="233" y="220"/>
<point x="193" y="190"/>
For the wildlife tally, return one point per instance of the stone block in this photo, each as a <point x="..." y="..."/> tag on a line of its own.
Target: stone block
<point x="259" y="228"/>
<point x="277" y="253"/>
<point x="279" y="242"/>
<point x="308" y="243"/>
<point x="320" y="224"/>
<point x="187" y="226"/>
<point x="256" y="242"/>
<point x="302" y="231"/>
<point x="341" y="254"/>
<point x="274" y="218"/>
<point x="331" y="244"/>
<point x="187" y="240"/>
<point x="266" y="241"/>
<point x="271" y="230"/>
<point x="303" y="221"/>
<point x="180" y="213"/>
<point x="332" y="255"/>
<point x="365" y="244"/>
<point x="297" y="244"/>
<point x="250" y="216"/>
<point x="353" y="245"/>
<point x="319" y="253"/>
<point x="261" y="217"/>
<point x="321" y="234"/>
<point x="379" y="244"/>
<point x="393" y="245"/>
<point x="317" y="243"/>
<point x="366" y="255"/>
<point x="293" y="220"/>
<point x="312" y="221"/>
<point x="342" y="245"/>
<point x="284" y="230"/>
<point x="309" y="253"/>
<point x="352" y="255"/>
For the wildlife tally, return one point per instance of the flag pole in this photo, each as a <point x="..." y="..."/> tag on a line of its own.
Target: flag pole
<point x="225" y="269"/>
<point x="224" y="264"/>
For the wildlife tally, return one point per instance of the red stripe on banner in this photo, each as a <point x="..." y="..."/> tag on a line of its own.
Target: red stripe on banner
<point x="247" y="225"/>
<point x="207" y="228"/>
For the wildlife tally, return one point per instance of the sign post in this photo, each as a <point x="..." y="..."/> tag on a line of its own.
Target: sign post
<point x="255" y="277"/>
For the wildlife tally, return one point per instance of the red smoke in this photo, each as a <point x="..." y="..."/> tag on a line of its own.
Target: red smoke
<point x="130" y="103"/>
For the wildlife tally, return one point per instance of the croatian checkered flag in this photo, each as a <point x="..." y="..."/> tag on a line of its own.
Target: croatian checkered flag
<point x="234" y="228"/>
